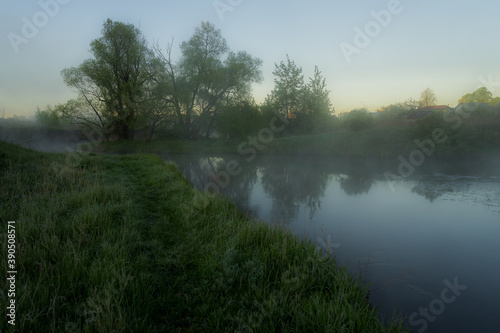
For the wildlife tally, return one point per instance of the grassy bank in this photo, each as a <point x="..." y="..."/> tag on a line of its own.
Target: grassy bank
<point x="116" y="244"/>
<point x="373" y="142"/>
<point x="376" y="142"/>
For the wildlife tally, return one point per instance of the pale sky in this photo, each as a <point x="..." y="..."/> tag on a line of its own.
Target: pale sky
<point x="452" y="47"/>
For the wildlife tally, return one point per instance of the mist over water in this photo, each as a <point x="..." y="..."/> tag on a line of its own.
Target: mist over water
<point x="407" y="239"/>
<point x="42" y="139"/>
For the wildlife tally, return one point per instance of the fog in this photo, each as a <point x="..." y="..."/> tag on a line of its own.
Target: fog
<point x="30" y="135"/>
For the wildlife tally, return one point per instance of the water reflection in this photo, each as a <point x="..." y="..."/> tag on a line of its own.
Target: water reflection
<point x="355" y="184"/>
<point x="432" y="190"/>
<point x="443" y="222"/>
<point x="292" y="185"/>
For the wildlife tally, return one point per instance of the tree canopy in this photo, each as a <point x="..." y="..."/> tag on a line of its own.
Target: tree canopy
<point x="428" y="98"/>
<point x="481" y="95"/>
<point x="114" y="82"/>
<point x="128" y="86"/>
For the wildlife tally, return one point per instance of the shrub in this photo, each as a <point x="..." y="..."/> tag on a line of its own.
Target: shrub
<point x="358" y="119"/>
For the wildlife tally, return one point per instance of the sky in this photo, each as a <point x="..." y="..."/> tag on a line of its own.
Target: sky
<point x="372" y="52"/>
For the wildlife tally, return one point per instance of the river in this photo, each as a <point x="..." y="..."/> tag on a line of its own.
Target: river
<point x="427" y="244"/>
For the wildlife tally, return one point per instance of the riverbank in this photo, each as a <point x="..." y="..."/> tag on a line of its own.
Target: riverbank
<point x="466" y="141"/>
<point x="118" y="243"/>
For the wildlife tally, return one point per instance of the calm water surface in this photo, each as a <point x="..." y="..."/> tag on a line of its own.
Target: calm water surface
<point x="428" y="245"/>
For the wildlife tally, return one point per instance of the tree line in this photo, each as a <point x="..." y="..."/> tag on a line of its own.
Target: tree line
<point x="128" y="87"/>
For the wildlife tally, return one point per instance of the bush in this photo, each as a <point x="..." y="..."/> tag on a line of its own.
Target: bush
<point x="425" y="126"/>
<point x="358" y="119"/>
<point x="48" y="117"/>
<point x="240" y="121"/>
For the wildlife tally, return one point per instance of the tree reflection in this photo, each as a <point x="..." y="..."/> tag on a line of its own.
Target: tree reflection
<point x="200" y="173"/>
<point x="432" y="190"/>
<point x="291" y="187"/>
<point x="355" y="184"/>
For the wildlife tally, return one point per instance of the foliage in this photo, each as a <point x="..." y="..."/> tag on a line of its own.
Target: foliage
<point x="358" y="119"/>
<point x="289" y="90"/>
<point x="399" y="110"/>
<point x="425" y="126"/>
<point x="113" y="83"/>
<point x="207" y="79"/>
<point x="317" y="100"/>
<point x="495" y="101"/>
<point x="49" y="117"/>
<point x="306" y="105"/>
<point x="481" y="95"/>
<point x="239" y="121"/>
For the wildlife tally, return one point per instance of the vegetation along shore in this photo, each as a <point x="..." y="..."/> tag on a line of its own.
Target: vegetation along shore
<point x="116" y="244"/>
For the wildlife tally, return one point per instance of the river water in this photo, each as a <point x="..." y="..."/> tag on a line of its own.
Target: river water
<point x="427" y="244"/>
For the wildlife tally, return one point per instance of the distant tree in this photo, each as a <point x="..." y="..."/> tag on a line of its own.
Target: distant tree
<point x="399" y="110"/>
<point x="289" y="90"/>
<point x="481" y="95"/>
<point x="317" y="96"/>
<point x="49" y="117"/>
<point x="114" y="81"/>
<point x="412" y="105"/>
<point x="428" y="98"/>
<point x="358" y="119"/>
<point x="495" y="101"/>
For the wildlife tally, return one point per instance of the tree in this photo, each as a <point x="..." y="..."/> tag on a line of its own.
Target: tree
<point x="428" y="98"/>
<point x="495" y="101"/>
<point x="241" y="120"/>
<point x="289" y="88"/>
<point x="358" y="119"/>
<point x="49" y="117"/>
<point x="481" y="95"/>
<point x="317" y="96"/>
<point x="399" y="110"/>
<point x="83" y="112"/>
<point x="114" y="82"/>
<point x="207" y="79"/>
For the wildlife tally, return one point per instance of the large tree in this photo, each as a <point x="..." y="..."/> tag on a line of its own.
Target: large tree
<point x="428" y="98"/>
<point x="114" y="82"/>
<point x="207" y="79"/>
<point x="481" y="95"/>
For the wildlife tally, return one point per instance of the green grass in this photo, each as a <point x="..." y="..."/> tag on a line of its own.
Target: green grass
<point x="122" y="244"/>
